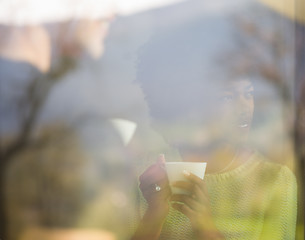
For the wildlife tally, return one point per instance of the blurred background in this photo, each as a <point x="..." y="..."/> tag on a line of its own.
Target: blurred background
<point x="74" y="123"/>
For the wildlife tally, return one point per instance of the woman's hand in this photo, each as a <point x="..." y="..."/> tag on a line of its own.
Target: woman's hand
<point x="196" y="206"/>
<point x="155" y="188"/>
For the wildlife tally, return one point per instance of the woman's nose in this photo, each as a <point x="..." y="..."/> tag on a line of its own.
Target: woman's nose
<point x="243" y="105"/>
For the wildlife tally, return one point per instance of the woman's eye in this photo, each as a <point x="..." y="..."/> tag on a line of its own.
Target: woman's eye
<point x="226" y="98"/>
<point x="249" y="94"/>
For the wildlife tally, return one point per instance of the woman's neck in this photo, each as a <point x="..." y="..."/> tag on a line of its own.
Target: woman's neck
<point x="219" y="159"/>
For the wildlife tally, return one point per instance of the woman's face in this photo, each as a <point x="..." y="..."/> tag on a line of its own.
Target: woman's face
<point x="228" y="115"/>
<point x="234" y="110"/>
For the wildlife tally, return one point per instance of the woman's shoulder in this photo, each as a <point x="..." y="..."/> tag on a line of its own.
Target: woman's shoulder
<point x="272" y="171"/>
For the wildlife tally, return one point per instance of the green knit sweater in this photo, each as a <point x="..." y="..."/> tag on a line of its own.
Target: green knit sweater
<point x="257" y="200"/>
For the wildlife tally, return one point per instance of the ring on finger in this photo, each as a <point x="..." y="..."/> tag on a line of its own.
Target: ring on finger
<point x="157" y="188"/>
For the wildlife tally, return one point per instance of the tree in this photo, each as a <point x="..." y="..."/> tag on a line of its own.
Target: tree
<point x="33" y="99"/>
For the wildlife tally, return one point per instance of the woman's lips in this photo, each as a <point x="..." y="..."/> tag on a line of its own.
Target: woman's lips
<point x="243" y="122"/>
<point x="244" y="125"/>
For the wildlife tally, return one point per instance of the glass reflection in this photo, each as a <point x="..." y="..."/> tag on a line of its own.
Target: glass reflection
<point x="93" y="105"/>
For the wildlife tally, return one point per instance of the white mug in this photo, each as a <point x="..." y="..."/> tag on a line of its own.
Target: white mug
<point x="175" y="172"/>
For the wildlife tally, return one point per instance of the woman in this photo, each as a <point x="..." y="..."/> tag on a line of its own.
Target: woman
<point x="242" y="196"/>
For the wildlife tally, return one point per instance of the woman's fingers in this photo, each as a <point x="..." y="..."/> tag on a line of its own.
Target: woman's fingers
<point x="158" y="187"/>
<point x="186" y="199"/>
<point x="188" y="186"/>
<point x="154" y="174"/>
<point x="196" y="180"/>
<point x="193" y="178"/>
<point x="154" y="183"/>
<point x="194" y="190"/>
<point x="195" y="186"/>
<point x="185" y="209"/>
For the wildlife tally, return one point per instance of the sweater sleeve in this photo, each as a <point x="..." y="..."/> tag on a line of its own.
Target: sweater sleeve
<point x="280" y="216"/>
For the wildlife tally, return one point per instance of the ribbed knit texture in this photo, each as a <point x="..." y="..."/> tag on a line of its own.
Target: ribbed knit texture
<point x="257" y="200"/>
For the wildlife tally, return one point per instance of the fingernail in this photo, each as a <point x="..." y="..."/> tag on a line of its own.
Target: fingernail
<point x="162" y="158"/>
<point x="186" y="173"/>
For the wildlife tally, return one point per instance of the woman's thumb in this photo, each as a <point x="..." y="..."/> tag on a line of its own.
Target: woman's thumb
<point x="161" y="160"/>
